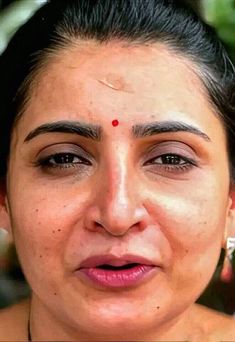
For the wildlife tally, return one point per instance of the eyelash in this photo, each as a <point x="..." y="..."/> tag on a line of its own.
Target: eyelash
<point x="46" y="163"/>
<point x="188" y="163"/>
<point x="186" y="166"/>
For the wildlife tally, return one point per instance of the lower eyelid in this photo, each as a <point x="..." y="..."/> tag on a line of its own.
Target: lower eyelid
<point x="169" y="170"/>
<point x="56" y="168"/>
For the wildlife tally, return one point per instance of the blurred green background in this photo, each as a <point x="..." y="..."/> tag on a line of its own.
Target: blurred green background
<point x="13" y="13"/>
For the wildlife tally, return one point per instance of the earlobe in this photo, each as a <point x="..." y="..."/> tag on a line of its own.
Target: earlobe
<point x="230" y="221"/>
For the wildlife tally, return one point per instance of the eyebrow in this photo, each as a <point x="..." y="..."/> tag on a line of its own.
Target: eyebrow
<point x="86" y="130"/>
<point x="94" y="132"/>
<point x="152" y="128"/>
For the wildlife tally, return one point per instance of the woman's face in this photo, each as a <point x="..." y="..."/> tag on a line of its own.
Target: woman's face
<point x="161" y="193"/>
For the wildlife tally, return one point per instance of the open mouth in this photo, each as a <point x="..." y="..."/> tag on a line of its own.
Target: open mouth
<point x="108" y="275"/>
<point x="117" y="268"/>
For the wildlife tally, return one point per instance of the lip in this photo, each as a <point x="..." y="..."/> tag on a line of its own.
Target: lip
<point x="122" y="278"/>
<point x="97" y="260"/>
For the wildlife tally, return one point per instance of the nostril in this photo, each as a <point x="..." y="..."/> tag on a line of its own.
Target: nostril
<point x="99" y="225"/>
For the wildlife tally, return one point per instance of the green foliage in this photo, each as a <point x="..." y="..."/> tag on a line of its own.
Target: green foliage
<point x="13" y="16"/>
<point x="221" y="14"/>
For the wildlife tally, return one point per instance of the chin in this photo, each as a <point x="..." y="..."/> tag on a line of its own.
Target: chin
<point x="125" y="317"/>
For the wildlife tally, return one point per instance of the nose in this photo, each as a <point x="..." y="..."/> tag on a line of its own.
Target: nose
<point x="118" y="205"/>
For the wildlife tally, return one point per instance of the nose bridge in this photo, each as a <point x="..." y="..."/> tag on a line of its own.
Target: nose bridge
<point x="119" y="204"/>
<point x="118" y="187"/>
<point x="117" y="178"/>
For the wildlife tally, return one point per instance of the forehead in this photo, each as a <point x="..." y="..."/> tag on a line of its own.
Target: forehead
<point x="99" y="83"/>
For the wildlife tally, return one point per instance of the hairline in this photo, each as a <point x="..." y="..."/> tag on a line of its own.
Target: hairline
<point x="43" y="61"/>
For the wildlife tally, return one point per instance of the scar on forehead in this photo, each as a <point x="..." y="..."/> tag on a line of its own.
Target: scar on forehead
<point x="116" y="82"/>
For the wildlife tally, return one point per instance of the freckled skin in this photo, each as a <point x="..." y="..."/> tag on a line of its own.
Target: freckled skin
<point x="118" y="204"/>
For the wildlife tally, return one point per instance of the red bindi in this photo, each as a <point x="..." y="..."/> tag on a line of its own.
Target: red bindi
<point x="115" y="123"/>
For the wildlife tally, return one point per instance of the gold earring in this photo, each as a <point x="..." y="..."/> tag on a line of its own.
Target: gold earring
<point x="227" y="270"/>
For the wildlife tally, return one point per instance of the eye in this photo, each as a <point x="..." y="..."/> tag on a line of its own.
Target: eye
<point x="63" y="161"/>
<point x="170" y="163"/>
<point x="169" y="159"/>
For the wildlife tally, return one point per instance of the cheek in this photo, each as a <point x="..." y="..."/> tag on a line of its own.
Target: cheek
<point x="193" y="225"/>
<point x="42" y="226"/>
<point x="192" y="212"/>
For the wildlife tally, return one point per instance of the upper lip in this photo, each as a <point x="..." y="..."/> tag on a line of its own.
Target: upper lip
<point x="98" y="260"/>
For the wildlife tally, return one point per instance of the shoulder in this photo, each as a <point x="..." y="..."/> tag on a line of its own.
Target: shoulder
<point x="219" y="326"/>
<point x="13" y="321"/>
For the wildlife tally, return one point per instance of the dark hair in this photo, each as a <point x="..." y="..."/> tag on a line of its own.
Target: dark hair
<point x="60" y="22"/>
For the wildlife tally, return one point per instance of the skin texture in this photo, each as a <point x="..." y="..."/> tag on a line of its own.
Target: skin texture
<point x="119" y="203"/>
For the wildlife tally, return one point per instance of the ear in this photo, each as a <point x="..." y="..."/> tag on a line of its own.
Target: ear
<point x="4" y="209"/>
<point x="230" y="221"/>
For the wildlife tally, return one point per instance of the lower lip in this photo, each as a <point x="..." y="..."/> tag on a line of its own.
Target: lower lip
<point x="119" y="278"/>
